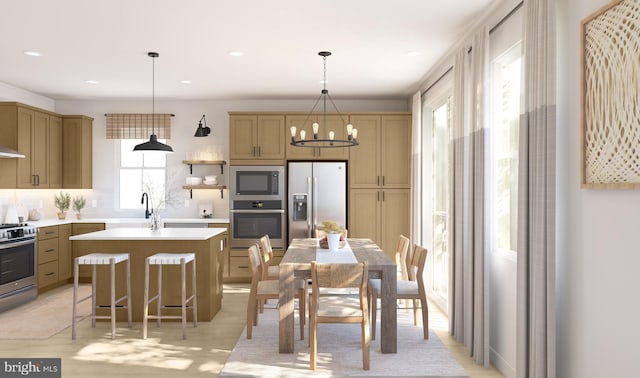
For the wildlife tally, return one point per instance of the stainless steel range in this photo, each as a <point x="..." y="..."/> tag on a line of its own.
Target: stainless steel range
<point x="18" y="276"/>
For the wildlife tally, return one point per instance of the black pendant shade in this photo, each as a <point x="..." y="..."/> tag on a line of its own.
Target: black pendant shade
<point x="153" y="144"/>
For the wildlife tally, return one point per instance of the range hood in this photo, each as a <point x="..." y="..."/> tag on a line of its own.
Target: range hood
<point x="9" y="153"/>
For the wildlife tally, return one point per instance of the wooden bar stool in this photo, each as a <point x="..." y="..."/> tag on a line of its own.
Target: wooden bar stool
<point x="161" y="259"/>
<point x="95" y="259"/>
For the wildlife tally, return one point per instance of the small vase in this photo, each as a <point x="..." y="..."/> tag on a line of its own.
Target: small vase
<point x="62" y="215"/>
<point x="78" y="215"/>
<point x="333" y="241"/>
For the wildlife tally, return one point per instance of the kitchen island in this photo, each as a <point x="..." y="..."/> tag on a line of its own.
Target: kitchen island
<point x="206" y="243"/>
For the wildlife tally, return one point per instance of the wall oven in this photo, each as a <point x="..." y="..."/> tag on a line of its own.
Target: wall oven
<point x="257" y="183"/>
<point x="252" y="219"/>
<point x="18" y="276"/>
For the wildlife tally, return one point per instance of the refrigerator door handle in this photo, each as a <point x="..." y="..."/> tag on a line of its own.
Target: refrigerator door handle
<point x="315" y="202"/>
<point x="309" y="228"/>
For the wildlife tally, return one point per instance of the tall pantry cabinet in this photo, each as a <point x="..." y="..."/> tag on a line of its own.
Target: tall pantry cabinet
<point x="380" y="179"/>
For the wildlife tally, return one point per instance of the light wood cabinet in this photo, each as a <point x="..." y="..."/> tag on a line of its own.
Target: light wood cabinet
<point x="383" y="159"/>
<point x="52" y="156"/>
<point x="54" y="256"/>
<point x="334" y="123"/>
<point x="380" y="215"/>
<point x="48" y="271"/>
<point x="39" y="139"/>
<point x="224" y="261"/>
<point x="65" y="258"/>
<point x="256" y="139"/>
<point x="77" y="153"/>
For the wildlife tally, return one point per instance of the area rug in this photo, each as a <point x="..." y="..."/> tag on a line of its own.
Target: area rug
<point x="44" y="317"/>
<point x="340" y="353"/>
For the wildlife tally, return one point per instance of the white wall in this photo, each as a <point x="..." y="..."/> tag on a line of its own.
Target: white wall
<point x="11" y="93"/>
<point x="598" y="255"/>
<point x="187" y="114"/>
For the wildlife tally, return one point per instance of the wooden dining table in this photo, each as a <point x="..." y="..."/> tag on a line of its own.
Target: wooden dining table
<point x="296" y="263"/>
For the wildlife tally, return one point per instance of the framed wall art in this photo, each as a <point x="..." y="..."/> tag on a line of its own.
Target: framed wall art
<point x="610" y="98"/>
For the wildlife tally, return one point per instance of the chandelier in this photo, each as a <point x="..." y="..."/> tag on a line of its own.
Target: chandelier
<point x="328" y="141"/>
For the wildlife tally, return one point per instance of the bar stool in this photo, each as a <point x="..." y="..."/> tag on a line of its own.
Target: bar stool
<point x="95" y="259"/>
<point x="161" y="259"/>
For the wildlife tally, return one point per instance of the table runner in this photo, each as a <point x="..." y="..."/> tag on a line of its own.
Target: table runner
<point x="343" y="255"/>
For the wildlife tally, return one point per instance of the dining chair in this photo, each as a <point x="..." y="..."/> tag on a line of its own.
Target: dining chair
<point x="339" y="309"/>
<point x="262" y="290"/>
<point x="412" y="289"/>
<point x="401" y="250"/>
<point x="272" y="272"/>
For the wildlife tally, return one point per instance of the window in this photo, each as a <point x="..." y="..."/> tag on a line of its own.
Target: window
<point x="505" y="113"/>
<point x="436" y="126"/>
<point x="140" y="172"/>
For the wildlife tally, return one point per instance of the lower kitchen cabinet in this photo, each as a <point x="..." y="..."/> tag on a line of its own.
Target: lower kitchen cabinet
<point x="48" y="256"/>
<point x="65" y="256"/>
<point x="380" y="215"/>
<point x="55" y="259"/>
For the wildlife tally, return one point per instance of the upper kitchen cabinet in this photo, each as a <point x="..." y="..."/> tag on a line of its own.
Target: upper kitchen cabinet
<point x="256" y="139"/>
<point x="77" y="154"/>
<point x="333" y="122"/>
<point x="383" y="158"/>
<point x="38" y="135"/>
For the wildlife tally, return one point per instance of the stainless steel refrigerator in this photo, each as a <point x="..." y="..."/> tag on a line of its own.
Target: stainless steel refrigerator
<point x="317" y="191"/>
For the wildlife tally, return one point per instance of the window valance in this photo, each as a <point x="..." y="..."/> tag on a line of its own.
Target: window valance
<point x="138" y="125"/>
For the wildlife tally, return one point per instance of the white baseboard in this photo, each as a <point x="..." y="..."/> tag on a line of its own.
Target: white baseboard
<point x="501" y="364"/>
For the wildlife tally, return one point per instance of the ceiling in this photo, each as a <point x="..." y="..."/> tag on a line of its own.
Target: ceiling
<point x="108" y="40"/>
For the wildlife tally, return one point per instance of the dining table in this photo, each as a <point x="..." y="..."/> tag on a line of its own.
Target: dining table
<point x="296" y="263"/>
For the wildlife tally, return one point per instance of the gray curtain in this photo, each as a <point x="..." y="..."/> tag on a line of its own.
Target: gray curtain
<point x="469" y="317"/>
<point x="536" y="317"/>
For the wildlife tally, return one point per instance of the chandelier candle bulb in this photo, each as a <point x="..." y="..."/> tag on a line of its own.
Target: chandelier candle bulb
<point x="303" y="134"/>
<point x="349" y="128"/>
<point x="355" y="134"/>
<point x="331" y="135"/>
<point x="293" y="131"/>
<point x="315" y="127"/>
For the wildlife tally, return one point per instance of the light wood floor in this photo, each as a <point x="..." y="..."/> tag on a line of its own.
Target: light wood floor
<point x="165" y="354"/>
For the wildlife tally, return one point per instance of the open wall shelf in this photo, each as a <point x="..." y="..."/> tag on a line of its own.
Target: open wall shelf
<point x="191" y="163"/>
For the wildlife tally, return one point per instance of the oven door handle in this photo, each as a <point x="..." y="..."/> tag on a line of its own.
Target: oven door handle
<point x="256" y="211"/>
<point x="17" y="242"/>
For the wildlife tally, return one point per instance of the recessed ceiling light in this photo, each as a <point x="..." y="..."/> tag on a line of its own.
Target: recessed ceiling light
<point x="32" y="53"/>
<point x="186" y="81"/>
<point x="91" y="82"/>
<point x="414" y="53"/>
<point x="235" y="53"/>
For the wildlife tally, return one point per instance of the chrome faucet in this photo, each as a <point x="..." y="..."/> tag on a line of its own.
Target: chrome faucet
<point x="147" y="213"/>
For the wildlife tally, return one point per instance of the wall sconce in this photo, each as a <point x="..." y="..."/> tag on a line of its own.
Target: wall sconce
<point x="202" y="131"/>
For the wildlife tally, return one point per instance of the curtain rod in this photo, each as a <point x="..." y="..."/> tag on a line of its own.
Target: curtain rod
<point x="437" y="80"/>
<point x="173" y="115"/>
<point x="505" y="18"/>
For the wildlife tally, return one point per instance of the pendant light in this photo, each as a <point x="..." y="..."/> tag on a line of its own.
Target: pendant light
<point x="329" y="140"/>
<point x="153" y="144"/>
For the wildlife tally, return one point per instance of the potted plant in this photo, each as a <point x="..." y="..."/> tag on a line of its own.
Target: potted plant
<point x="334" y="234"/>
<point x="62" y="201"/>
<point x="78" y="204"/>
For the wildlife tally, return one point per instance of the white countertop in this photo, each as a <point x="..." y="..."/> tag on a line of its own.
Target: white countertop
<point x="122" y="221"/>
<point x="147" y="234"/>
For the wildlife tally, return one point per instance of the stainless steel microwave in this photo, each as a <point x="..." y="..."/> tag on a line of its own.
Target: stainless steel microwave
<point x="257" y="182"/>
